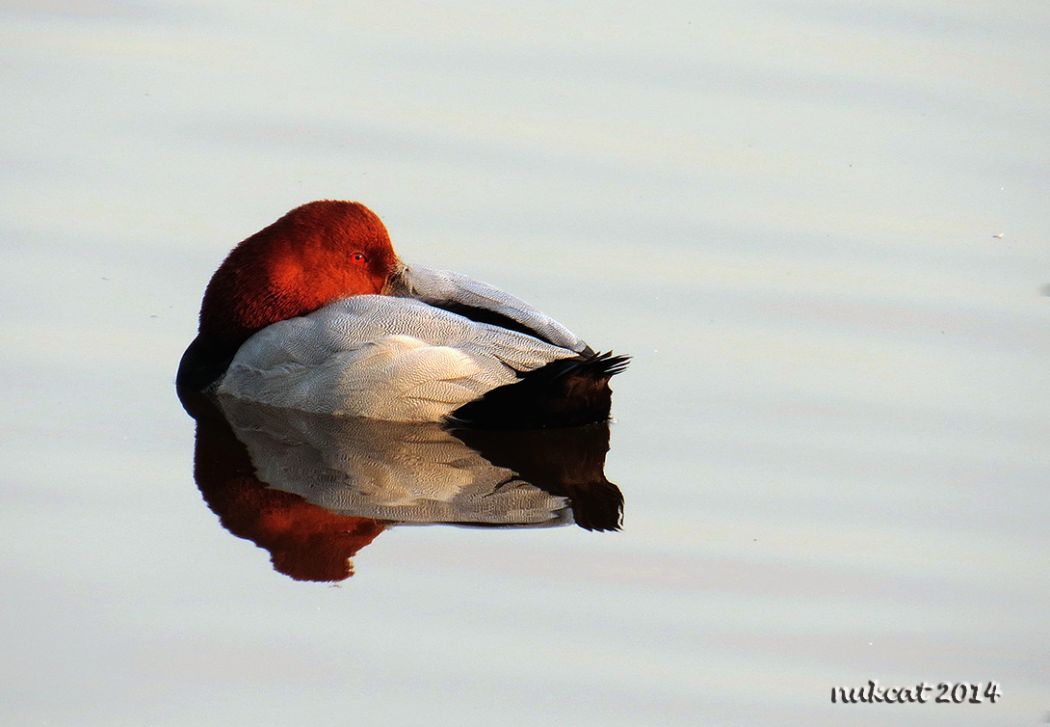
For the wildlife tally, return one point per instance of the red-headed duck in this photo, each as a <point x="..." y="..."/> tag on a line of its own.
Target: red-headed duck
<point x="316" y="312"/>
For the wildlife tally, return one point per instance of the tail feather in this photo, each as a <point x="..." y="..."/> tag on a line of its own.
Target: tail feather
<point x="567" y="392"/>
<point x="607" y="364"/>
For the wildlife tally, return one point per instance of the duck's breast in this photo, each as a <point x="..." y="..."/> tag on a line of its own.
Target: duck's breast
<point x="381" y="357"/>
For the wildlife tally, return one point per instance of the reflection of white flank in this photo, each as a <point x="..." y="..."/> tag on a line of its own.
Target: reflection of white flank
<point x="404" y="472"/>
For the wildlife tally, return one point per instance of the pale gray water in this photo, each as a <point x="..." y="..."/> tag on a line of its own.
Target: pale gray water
<point x="832" y="441"/>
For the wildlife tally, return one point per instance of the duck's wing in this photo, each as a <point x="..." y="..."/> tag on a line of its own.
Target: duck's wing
<point x="482" y="302"/>
<point x="382" y="357"/>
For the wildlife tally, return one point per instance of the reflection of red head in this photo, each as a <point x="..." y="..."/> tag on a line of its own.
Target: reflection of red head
<point x="305" y="541"/>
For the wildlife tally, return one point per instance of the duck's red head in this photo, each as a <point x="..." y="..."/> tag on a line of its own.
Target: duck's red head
<point x="315" y="254"/>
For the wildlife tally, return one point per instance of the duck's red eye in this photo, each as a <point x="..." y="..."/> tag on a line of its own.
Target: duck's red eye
<point x="359" y="258"/>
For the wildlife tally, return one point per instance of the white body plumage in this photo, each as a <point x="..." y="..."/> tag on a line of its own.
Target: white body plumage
<point x="397" y="358"/>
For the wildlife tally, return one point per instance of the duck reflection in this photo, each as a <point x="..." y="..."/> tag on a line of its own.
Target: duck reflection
<point x="315" y="489"/>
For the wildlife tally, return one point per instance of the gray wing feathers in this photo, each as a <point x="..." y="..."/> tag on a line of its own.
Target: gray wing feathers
<point x="442" y="286"/>
<point x="382" y="357"/>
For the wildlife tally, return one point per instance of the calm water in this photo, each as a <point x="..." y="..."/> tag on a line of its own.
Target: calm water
<point x="821" y="228"/>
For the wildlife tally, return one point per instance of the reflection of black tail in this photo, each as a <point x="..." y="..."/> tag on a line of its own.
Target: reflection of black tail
<point x="568" y="462"/>
<point x="564" y="393"/>
<point x="596" y="505"/>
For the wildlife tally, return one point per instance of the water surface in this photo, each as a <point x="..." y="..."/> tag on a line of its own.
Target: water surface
<point x="820" y="228"/>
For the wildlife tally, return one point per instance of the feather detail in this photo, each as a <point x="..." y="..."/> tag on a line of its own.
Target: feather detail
<point x="483" y="303"/>
<point x="382" y="357"/>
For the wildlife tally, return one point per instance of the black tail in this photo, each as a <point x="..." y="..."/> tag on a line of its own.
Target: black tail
<point x="563" y="393"/>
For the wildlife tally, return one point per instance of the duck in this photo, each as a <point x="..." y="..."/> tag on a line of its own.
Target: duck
<point x="317" y="313"/>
